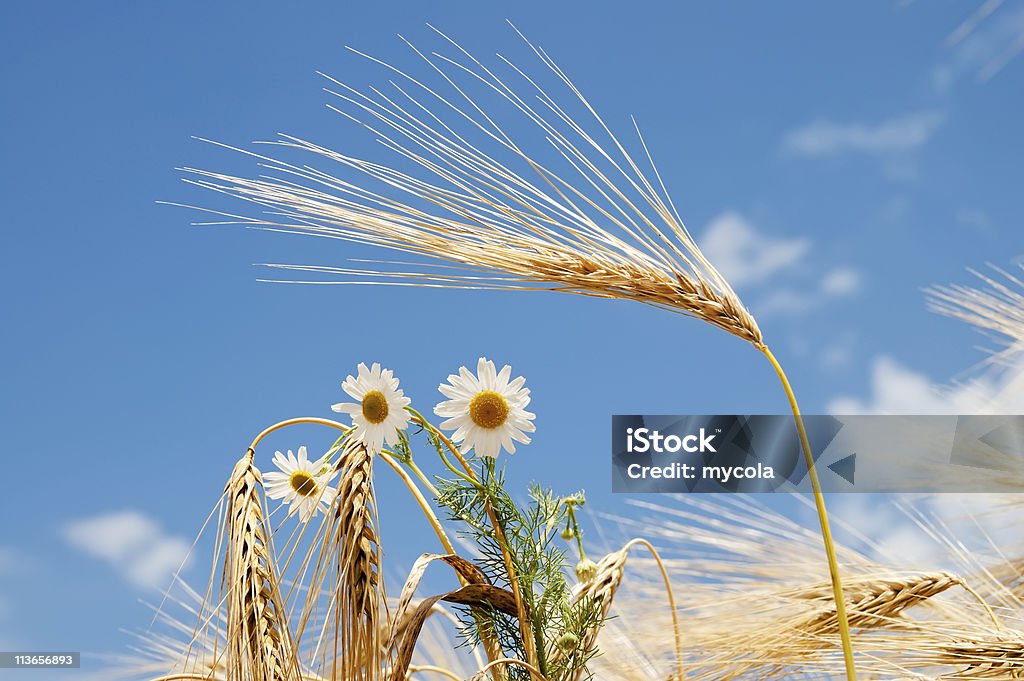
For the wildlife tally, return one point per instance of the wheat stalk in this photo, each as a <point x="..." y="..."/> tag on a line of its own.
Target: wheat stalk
<point x="259" y="647"/>
<point x="348" y="569"/>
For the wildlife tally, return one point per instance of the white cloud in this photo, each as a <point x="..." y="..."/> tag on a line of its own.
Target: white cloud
<point x="842" y="281"/>
<point x="131" y="542"/>
<point x="839" y="282"/>
<point x="826" y="138"/>
<point x="896" y="389"/>
<point x="746" y="256"/>
<point x="974" y="523"/>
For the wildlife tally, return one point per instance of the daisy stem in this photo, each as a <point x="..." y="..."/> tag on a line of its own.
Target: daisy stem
<point x="490" y="641"/>
<point x="468" y="476"/>
<point x="570" y="507"/>
<point x="423" y="478"/>
<point x="525" y="630"/>
<point x="819" y="502"/>
<point x="421" y="500"/>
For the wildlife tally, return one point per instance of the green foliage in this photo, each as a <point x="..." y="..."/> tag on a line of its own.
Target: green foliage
<point x="540" y="561"/>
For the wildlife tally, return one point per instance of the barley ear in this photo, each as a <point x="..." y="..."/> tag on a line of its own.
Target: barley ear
<point x="348" y="569"/>
<point x="259" y="646"/>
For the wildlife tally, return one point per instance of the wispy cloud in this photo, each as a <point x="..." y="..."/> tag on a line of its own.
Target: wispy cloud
<point x="896" y="389"/>
<point x="828" y="138"/>
<point x="981" y="46"/>
<point x="132" y="543"/>
<point x="896" y="537"/>
<point x="745" y="255"/>
<point x="842" y="281"/>
<point x="839" y="282"/>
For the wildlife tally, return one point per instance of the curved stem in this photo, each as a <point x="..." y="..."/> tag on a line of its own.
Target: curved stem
<point x="296" y="421"/>
<point x="992" y="616"/>
<point x="676" y="629"/>
<point x="416" y="669"/>
<point x="422" y="476"/>
<point x="534" y="672"/>
<point x="421" y="500"/>
<point x="423" y="504"/>
<point x="421" y="420"/>
<point x="819" y="503"/>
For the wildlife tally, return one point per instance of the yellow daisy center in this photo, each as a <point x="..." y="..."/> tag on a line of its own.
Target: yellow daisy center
<point x="303" y="483"/>
<point x="488" y="409"/>
<point x="375" y="407"/>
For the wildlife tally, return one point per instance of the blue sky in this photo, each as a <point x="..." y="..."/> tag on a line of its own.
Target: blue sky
<point x="833" y="159"/>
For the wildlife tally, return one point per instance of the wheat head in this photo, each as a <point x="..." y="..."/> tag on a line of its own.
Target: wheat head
<point x="259" y="647"/>
<point x="590" y="222"/>
<point x="348" y="570"/>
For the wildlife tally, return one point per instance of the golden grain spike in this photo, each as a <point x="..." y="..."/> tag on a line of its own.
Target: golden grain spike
<point x="878" y="602"/>
<point x="581" y="218"/>
<point x="349" y="570"/>
<point x="258" y="640"/>
<point x="1001" y="658"/>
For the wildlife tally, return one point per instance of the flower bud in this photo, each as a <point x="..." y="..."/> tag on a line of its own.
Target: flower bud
<point x="567" y="643"/>
<point x="586" y="570"/>
<point x="568" y="534"/>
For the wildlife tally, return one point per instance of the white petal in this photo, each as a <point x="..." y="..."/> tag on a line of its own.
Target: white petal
<point x="502" y="381"/>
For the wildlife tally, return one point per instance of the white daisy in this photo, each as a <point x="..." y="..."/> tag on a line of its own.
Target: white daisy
<point x="380" y="412"/>
<point x="302" y="484"/>
<point x="487" y="411"/>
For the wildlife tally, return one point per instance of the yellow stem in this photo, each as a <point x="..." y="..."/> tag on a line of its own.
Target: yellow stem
<point x="423" y="478"/>
<point x="491" y="646"/>
<point x="534" y="672"/>
<point x="423" y="668"/>
<point x="421" y="500"/>
<point x="296" y="421"/>
<point x="977" y="596"/>
<point x="676" y="630"/>
<point x="819" y="503"/>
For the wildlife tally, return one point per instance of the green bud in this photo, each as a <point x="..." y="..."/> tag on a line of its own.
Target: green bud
<point x="586" y="570"/>
<point x="568" y="534"/>
<point x="567" y="643"/>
